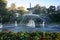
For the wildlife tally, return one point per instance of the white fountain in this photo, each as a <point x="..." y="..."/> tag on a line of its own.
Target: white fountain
<point x="43" y="24"/>
<point x="16" y="23"/>
<point x="1" y="24"/>
<point x="31" y="23"/>
<point x="17" y="15"/>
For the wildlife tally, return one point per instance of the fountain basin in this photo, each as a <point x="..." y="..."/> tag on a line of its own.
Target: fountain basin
<point x="24" y="28"/>
<point x="30" y="15"/>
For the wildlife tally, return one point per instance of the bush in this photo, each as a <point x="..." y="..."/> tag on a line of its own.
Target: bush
<point x="5" y="35"/>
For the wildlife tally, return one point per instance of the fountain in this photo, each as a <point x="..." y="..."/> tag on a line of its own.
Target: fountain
<point x="43" y="24"/>
<point x="31" y="23"/>
<point x="1" y="24"/>
<point x="16" y="24"/>
<point x="17" y="15"/>
<point x="32" y="19"/>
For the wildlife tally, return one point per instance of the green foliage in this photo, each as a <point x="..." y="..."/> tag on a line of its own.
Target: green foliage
<point x="53" y="14"/>
<point x="34" y="35"/>
<point x="3" y="11"/>
<point x="36" y="11"/>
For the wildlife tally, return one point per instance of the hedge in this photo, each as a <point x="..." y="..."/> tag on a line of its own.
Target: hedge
<point x="34" y="35"/>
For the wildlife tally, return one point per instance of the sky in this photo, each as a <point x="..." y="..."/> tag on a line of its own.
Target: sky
<point x="26" y="3"/>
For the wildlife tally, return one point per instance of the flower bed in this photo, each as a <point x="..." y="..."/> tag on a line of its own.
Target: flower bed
<point x="5" y="35"/>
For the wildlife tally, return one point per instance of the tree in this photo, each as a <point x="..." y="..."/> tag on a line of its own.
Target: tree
<point x="53" y="14"/>
<point x="13" y="6"/>
<point x="3" y="10"/>
<point x="37" y="9"/>
<point x="12" y="9"/>
<point x="52" y="9"/>
<point x="37" y="6"/>
<point x="2" y="7"/>
<point x="58" y="7"/>
<point x="43" y="9"/>
<point x="21" y="10"/>
<point x="58" y="13"/>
